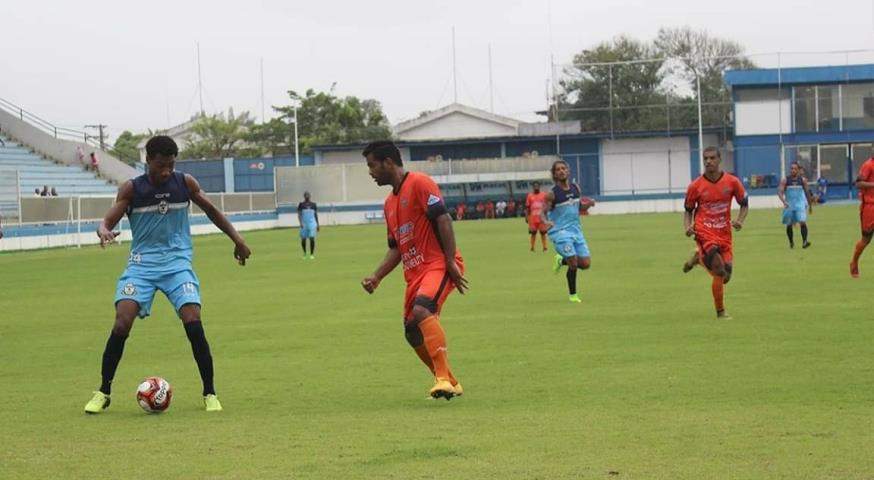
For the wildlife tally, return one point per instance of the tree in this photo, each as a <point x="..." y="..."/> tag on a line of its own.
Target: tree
<point x="275" y="136"/>
<point x="621" y="96"/>
<point x="221" y="136"/>
<point x="125" y="147"/>
<point x="324" y="118"/>
<point x="697" y="54"/>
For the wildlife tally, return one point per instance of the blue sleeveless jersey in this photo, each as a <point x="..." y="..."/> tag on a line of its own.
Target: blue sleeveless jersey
<point x="307" y="212"/>
<point x="565" y="212"/>
<point x="795" y="196"/>
<point x="159" y="223"/>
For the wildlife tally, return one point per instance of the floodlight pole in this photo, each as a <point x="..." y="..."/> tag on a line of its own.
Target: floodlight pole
<point x="700" y="127"/>
<point x="296" y="150"/>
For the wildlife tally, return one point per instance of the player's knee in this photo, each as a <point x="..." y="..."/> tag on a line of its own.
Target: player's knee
<point x="189" y="313"/>
<point x="413" y="334"/>
<point x="123" y="323"/>
<point x="423" y="307"/>
<point x="584" y="263"/>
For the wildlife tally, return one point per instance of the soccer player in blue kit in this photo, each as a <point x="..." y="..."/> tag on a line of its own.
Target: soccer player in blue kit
<point x="156" y="204"/>
<point x="797" y="200"/>
<point x="308" y="217"/>
<point x="562" y="217"/>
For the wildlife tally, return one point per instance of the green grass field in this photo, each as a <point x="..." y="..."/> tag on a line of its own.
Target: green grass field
<point x="640" y="381"/>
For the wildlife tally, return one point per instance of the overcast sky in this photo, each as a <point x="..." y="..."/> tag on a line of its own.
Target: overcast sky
<point x="133" y="65"/>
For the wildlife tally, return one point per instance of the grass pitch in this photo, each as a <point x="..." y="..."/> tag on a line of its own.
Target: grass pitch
<point x="639" y="381"/>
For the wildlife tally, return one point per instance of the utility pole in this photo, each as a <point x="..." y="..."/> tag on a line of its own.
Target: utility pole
<point x="101" y="135"/>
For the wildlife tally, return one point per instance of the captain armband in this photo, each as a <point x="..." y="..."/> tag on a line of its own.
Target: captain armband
<point x="392" y="243"/>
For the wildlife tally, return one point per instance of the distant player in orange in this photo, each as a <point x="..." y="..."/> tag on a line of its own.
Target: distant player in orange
<point x="420" y="236"/>
<point x="708" y="218"/>
<point x="535" y="202"/>
<point x="865" y="184"/>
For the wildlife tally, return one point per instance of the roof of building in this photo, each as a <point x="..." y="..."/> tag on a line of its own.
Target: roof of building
<point x="799" y="75"/>
<point x="434" y="115"/>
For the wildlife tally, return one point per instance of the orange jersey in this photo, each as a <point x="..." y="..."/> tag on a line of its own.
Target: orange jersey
<point x="866" y="174"/>
<point x="408" y="215"/>
<point x="535" y="203"/>
<point x="711" y="202"/>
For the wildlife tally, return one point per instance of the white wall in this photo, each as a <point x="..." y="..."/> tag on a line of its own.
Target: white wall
<point x="457" y="125"/>
<point x="641" y="166"/>
<point x="353" y="155"/>
<point x="766" y="117"/>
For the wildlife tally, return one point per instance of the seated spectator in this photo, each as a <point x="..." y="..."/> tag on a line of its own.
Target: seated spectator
<point x="821" y="189"/>
<point x="95" y="164"/>
<point x="80" y="156"/>
<point x="511" y="207"/>
<point x="500" y="208"/>
<point x="45" y="191"/>
<point x="459" y="211"/>
<point x="36" y="192"/>
<point x="54" y="192"/>
<point x="490" y="209"/>
<point x="480" y="209"/>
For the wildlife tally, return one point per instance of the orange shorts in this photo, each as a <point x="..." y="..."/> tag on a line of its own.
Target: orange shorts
<point x="535" y="226"/>
<point x="706" y="243"/>
<point x="866" y="217"/>
<point x="430" y="289"/>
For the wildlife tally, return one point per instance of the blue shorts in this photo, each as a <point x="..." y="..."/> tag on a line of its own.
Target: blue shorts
<point x="794" y="215"/>
<point x="573" y="245"/>
<point x="308" y="230"/>
<point x="181" y="288"/>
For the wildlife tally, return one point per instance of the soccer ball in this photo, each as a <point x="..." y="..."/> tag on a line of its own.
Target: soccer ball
<point x="154" y="394"/>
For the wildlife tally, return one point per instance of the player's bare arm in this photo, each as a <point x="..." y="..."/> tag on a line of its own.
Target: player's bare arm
<point x="391" y="260"/>
<point x="446" y="236"/>
<point x="241" y="250"/>
<point x="781" y="193"/>
<point x="549" y="198"/>
<point x="738" y="223"/>
<point x="689" y="222"/>
<point x="860" y="183"/>
<point x="809" y="194"/>
<point x="122" y="201"/>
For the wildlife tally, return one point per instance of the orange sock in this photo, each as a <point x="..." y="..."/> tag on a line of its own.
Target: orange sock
<point x="422" y="352"/>
<point x="543" y="240"/>
<point x="435" y="345"/>
<point x="860" y="247"/>
<point x="718" y="288"/>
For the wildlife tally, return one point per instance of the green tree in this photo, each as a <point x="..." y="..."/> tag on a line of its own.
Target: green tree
<point x="220" y="136"/>
<point x="125" y="146"/>
<point x="324" y="118"/>
<point x="608" y="96"/>
<point x="275" y="136"/>
<point x="696" y="54"/>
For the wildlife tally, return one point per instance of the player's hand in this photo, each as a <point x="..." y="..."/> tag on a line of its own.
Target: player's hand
<point x="690" y="230"/>
<point x="106" y="235"/>
<point x="318" y="228"/>
<point x="1" y="233"/>
<point x="737" y="225"/>
<point x="785" y="204"/>
<point x="242" y="253"/>
<point x="457" y="277"/>
<point x="370" y="283"/>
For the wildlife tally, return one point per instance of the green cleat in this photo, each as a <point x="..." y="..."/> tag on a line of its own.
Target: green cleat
<point x="212" y="404"/>
<point x="556" y="263"/>
<point x="98" y="403"/>
<point x="312" y="257"/>
<point x="575" y="298"/>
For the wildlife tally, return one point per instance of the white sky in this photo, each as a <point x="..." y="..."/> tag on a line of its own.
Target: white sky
<point x="132" y="65"/>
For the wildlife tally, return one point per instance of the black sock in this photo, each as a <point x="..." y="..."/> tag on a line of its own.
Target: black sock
<point x="572" y="281"/>
<point x="804" y="233"/>
<point x="200" y="349"/>
<point x="564" y="261"/>
<point x="790" y="234"/>
<point x="312" y="246"/>
<point x="111" y="357"/>
<point x="303" y="245"/>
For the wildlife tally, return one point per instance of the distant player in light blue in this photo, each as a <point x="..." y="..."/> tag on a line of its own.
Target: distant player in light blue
<point x="156" y="204"/>
<point x="308" y="218"/>
<point x="797" y="200"/>
<point x="821" y="189"/>
<point x="562" y="216"/>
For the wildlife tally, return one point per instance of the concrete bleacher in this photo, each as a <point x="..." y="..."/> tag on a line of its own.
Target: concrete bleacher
<point x="36" y="172"/>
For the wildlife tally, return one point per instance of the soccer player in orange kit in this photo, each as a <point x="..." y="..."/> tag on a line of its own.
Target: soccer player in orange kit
<point x="535" y="202"/>
<point x="708" y="218"/>
<point x="865" y="184"/>
<point x="420" y="236"/>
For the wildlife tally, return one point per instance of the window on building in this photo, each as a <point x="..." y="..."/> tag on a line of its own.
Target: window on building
<point x="833" y="163"/>
<point x="805" y="109"/>
<point x="807" y="156"/>
<point x="857" y="103"/>
<point x="861" y="152"/>
<point x="829" y="114"/>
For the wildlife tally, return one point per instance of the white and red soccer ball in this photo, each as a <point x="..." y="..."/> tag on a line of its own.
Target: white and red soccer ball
<point x="154" y="394"/>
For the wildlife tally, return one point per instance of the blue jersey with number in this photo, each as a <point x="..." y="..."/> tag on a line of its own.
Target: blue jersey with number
<point x="565" y="212"/>
<point x="795" y="192"/>
<point x="159" y="223"/>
